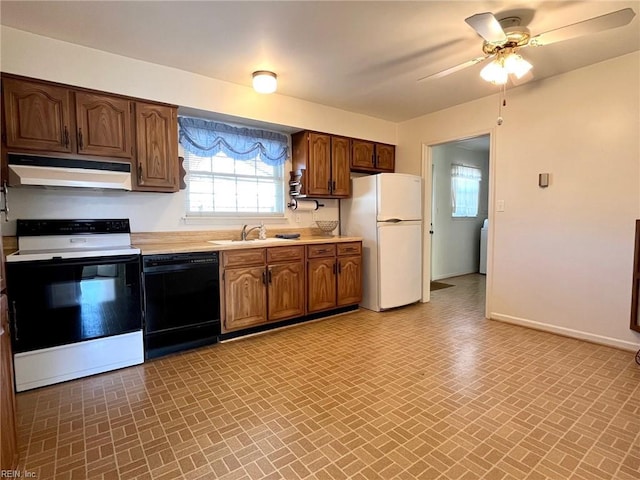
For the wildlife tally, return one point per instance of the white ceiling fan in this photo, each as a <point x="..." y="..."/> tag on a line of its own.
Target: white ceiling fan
<point x="503" y="39"/>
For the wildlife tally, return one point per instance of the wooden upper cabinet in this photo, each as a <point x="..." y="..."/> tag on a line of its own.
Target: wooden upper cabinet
<point x="77" y="123"/>
<point x="37" y="116"/>
<point x="319" y="166"/>
<point x="385" y="157"/>
<point x="361" y="155"/>
<point x="372" y="157"/>
<point x="340" y="168"/>
<point x="325" y="161"/>
<point x="157" y="163"/>
<point x="103" y="125"/>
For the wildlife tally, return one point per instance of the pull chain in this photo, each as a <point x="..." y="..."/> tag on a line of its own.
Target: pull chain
<point x="502" y="98"/>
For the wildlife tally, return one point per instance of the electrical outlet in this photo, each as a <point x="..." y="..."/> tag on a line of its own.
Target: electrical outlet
<point x="500" y="205"/>
<point x="297" y="218"/>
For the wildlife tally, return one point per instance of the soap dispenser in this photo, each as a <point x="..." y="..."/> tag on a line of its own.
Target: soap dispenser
<point x="262" y="233"/>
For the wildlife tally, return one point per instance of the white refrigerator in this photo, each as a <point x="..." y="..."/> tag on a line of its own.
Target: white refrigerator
<point x="386" y="211"/>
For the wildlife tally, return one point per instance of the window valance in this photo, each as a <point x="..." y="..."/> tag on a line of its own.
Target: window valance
<point x="206" y="138"/>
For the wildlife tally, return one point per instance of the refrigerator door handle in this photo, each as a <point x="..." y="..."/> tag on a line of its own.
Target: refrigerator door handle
<point x="393" y="220"/>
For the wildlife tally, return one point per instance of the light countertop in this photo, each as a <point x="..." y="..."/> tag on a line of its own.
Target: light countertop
<point x="206" y="246"/>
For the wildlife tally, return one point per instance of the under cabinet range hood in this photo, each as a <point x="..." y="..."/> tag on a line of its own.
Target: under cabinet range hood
<point x="32" y="170"/>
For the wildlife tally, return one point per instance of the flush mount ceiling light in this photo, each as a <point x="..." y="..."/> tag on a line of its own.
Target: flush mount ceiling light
<point x="265" y="81"/>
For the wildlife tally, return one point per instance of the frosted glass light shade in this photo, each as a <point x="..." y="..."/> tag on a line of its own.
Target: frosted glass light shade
<point x="495" y="73"/>
<point x="517" y="65"/>
<point x="265" y="81"/>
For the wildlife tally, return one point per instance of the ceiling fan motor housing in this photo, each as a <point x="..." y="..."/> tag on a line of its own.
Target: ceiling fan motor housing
<point x="517" y="36"/>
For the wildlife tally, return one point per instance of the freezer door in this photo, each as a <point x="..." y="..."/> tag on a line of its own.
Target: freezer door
<point x="399" y="197"/>
<point x="400" y="263"/>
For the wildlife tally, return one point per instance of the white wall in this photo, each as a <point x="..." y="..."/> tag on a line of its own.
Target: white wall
<point x="455" y="247"/>
<point x="35" y="56"/>
<point x="561" y="256"/>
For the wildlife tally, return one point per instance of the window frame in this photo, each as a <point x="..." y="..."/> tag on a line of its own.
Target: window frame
<point x="279" y="181"/>
<point x="476" y="179"/>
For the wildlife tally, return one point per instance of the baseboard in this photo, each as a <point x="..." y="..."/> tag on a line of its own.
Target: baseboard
<point x="567" y="332"/>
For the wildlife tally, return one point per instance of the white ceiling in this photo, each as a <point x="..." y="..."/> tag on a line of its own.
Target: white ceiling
<point x="358" y="56"/>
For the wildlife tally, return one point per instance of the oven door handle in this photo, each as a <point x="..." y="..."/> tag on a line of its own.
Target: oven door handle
<point x="84" y="261"/>
<point x="15" y="321"/>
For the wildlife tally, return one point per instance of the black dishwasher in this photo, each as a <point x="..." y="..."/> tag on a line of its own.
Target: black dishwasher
<point x="181" y="301"/>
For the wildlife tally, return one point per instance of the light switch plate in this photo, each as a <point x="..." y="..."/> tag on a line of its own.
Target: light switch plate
<point x="500" y="205"/>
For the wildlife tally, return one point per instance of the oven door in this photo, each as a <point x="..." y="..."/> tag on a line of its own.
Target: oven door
<point x="59" y="302"/>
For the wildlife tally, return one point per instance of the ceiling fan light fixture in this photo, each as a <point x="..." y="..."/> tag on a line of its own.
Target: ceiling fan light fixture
<point x="494" y="72"/>
<point x="516" y="65"/>
<point x="265" y="81"/>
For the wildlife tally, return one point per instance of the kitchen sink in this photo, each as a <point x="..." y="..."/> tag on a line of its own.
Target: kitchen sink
<point x="251" y="242"/>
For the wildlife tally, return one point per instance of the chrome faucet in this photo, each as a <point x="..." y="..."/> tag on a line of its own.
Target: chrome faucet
<point x="245" y="232"/>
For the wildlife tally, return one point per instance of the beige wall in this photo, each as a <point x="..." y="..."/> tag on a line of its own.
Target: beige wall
<point x="562" y="256"/>
<point x="35" y="56"/>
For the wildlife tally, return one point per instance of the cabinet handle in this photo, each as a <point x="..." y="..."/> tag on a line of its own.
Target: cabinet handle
<point x="324" y="250"/>
<point x="264" y="278"/>
<point x="377" y="160"/>
<point x="15" y="321"/>
<point x="333" y="186"/>
<point x="139" y="174"/>
<point x="80" y="142"/>
<point x="65" y="137"/>
<point x="269" y="275"/>
<point x="373" y="160"/>
<point x="329" y="186"/>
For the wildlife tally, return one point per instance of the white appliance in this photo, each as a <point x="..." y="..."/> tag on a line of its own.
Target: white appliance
<point x="483" y="247"/>
<point x="75" y="291"/>
<point x="386" y="211"/>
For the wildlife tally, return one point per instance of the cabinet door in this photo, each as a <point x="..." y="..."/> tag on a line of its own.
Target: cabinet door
<point x="349" y="280"/>
<point x="37" y="116"/>
<point x="8" y="441"/>
<point x="361" y="155"/>
<point x="319" y="167"/>
<point x="340" y="167"/>
<point x="157" y="143"/>
<point x="104" y="125"/>
<point x="321" y="284"/>
<point x="245" y="297"/>
<point x="286" y="291"/>
<point x="385" y="157"/>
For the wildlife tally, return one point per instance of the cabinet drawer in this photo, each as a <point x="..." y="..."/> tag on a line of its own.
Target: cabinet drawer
<point x="350" y="248"/>
<point x="280" y="254"/>
<point x="322" y="250"/>
<point x="252" y="256"/>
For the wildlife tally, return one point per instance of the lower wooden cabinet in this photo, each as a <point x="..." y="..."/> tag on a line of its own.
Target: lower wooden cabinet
<point x="285" y="282"/>
<point x="8" y="441"/>
<point x="334" y="273"/>
<point x="262" y="285"/>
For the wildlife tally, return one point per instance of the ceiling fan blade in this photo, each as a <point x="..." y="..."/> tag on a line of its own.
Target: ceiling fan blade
<point x="486" y="25"/>
<point x="457" y="68"/>
<point x="592" y="25"/>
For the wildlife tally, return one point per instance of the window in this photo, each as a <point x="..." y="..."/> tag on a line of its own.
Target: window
<point x="233" y="171"/>
<point x="465" y="190"/>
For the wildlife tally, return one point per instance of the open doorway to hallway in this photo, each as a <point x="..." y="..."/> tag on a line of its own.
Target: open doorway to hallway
<point x="459" y="208"/>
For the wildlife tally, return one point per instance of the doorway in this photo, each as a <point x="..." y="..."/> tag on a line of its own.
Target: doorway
<point x="457" y="179"/>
